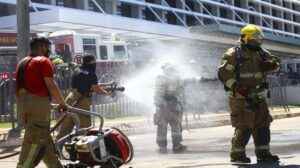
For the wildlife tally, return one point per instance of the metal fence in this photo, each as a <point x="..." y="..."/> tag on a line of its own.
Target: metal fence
<point x="198" y="98"/>
<point x="7" y="91"/>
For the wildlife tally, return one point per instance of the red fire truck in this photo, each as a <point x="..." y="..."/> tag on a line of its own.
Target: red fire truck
<point x="112" y="54"/>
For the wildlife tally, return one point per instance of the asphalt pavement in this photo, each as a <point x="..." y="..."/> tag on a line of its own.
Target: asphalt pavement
<point x="210" y="147"/>
<point x="208" y="140"/>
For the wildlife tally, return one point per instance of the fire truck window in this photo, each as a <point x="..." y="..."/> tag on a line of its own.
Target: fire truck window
<point x="103" y="52"/>
<point x="88" y="41"/>
<point x="120" y="53"/>
<point x="90" y="50"/>
<point x="89" y="46"/>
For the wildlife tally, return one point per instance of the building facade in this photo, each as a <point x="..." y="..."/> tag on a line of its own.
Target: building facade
<point x="276" y="16"/>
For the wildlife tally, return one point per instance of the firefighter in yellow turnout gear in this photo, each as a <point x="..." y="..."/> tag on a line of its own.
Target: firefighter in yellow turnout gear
<point x="243" y="72"/>
<point x="168" y="90"/>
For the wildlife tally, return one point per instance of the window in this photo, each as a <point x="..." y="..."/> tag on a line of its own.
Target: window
<point x="88" y="41"/>
<point x="66" y="3"/>
<point x="223" y="13"/>
<point x="119" y="52"/>
<point x="275" y="25"/>
<point x="150" y="1"/>
<point x="250" y="4"/>
<point x="60" y="3"/>
<point x="89" y="46"/>
<point x="274" y="12"/>
<point x="296" y="30"/>
<point x="298" y="68"/>
<point x="171" y="18"/>
<point x="148" y="14"/>
<point x="208" y="7"/>
<point x="237" y="3"/>
<point x="263" y="9"/>
<point x="37" y="1"/>
<point x="124" y="9"/>
<point x="251" y="19"/>
<point x="171" y="3"/>
<point x="92" y="6"/>
<point x="103" y="52"/>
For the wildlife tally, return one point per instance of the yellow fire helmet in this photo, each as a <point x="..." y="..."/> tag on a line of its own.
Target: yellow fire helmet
<point x="57" y="61"/>
<point x="250" y="30"/>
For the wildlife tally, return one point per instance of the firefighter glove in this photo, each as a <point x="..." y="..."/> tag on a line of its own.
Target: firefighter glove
<point x="62" y="108"/>
<point x="242" y="90"/>
<point x="269" y="65"/>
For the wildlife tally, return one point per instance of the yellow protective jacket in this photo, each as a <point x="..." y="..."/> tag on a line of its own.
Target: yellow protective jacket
<point x="251" y="70"/>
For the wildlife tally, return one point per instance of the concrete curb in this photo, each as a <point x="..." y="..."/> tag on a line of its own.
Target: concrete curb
<point x="146" y="126"/>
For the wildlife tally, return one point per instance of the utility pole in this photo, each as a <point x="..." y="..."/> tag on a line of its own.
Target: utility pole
<point x="23" y="28"/>
<point x="23" y="38"/>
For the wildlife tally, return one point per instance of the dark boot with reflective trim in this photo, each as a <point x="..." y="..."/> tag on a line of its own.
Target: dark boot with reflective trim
<point x="179" y="148"/>
<point x="239" y="157"/>
<point x="265" y="156"/>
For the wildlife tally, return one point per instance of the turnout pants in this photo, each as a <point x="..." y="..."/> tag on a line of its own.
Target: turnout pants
<point x="249" y="123"/>
<point x="172" y="116"/>
<point x="37" y="144"/>
<point x="85" y="120"/>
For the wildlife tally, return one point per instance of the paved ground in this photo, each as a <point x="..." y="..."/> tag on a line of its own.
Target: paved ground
<point x="208" y="147"/>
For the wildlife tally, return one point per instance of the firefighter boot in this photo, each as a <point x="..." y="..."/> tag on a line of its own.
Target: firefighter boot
<point x="265" y="156"/>
<point x="178" y="148"/>
<point x="239" y="157"/>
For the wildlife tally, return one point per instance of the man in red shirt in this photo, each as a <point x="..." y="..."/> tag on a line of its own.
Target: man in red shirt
<point x="35" y="85"/>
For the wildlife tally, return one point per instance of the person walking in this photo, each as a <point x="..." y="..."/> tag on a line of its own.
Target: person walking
<point x="35" y="87"/>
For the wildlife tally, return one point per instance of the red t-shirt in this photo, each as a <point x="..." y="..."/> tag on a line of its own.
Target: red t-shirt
<point x="37" y="69"/>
